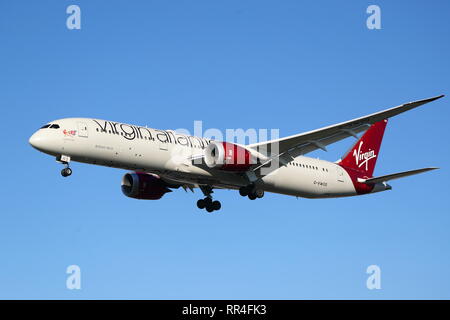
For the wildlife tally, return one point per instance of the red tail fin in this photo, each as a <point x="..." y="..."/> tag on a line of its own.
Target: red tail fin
<point x="363" y="155"/>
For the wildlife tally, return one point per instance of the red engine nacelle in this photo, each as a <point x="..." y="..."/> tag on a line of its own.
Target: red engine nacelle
<point x="228" y="156"/>
<point x="145" y="186"/>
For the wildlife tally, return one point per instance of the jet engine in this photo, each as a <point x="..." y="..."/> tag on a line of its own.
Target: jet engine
<point x="146" y="186"/>
<point x="228" y="156"/>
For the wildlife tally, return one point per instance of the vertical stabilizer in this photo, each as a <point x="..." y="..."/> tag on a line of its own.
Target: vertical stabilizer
<point x="363" y="156"/>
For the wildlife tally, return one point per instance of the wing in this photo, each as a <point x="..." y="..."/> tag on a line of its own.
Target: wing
<point x="285" y="149"/>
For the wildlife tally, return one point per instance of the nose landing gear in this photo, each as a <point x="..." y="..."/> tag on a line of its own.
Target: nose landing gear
<point x="65" y="160"/>
<point x="66" y="172"/>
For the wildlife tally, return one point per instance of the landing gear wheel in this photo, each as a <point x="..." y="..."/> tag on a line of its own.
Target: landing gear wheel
<point x="66" y="172"/>
<point x="243" y="191"/>
<point x="201" y="204"/>
<point x="252" y="196"/>
<point x="259" y="193"/>
<point x="216" y="205"/>
<point x="208" y="202"/>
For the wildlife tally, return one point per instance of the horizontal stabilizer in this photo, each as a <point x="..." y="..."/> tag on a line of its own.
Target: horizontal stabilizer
<point x="394" y="176"/>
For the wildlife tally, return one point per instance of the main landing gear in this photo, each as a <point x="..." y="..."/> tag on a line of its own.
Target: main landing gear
<point x="251" y="192"/>
<point x="65" y="160"/>
<point x="208" y="203"/>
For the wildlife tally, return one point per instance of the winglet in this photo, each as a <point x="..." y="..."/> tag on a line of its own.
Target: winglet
<point x="435" y="98"/>
<point x="423" y="101"/>
<point x="415" y="104"/>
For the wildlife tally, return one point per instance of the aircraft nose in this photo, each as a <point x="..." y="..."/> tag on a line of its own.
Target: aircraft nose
<point x="36" y="141"/>
<point x="45" y="141"/>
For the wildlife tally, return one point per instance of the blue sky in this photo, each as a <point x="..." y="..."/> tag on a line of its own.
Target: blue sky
<point x="290" y="65"/>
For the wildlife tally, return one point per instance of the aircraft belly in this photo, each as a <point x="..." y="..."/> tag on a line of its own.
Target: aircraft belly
<point x="287" y="180"/>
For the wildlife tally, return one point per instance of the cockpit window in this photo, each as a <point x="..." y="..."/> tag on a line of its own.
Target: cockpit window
<point x="51" y="126"/>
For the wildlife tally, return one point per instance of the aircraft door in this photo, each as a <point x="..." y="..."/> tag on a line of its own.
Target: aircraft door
<point x="340" y="174"/>
<point x="82" y="130"/>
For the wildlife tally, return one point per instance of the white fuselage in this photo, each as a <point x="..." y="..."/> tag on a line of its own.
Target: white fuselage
<point x="168" y="154"/>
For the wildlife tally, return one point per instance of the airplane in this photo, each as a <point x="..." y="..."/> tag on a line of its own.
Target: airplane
<point x="163" y="160"/>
